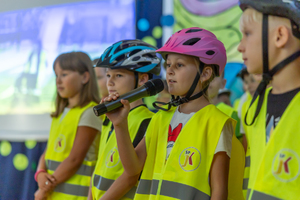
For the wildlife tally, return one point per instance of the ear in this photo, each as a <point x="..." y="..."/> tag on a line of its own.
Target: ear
<point x="143" y="78"/>
<point x="224" y="81"/>
<point x="206" y="74"/>
<point x="85" y="77"/>
<point x="282" y="36"/>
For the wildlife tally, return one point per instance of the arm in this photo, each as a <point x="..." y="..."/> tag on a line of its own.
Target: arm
<point x="132" y="159"/>
<point x="44" y="177"/>
<point x="120" y="186"/>
<point x="83" y="140"/>
<point x="219" y="176"/>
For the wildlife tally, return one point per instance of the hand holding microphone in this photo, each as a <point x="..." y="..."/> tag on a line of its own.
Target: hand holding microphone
<point x="150" y="88"/>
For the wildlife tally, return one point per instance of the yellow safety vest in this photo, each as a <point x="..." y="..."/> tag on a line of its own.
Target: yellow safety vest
<point x="59" y="146"/>
<point x="247" y="159"/>
<point x="228" y="110"/>
<point x="275" y="166"/>
<point x="109" y="166"/>
<point x="185" y="175"/>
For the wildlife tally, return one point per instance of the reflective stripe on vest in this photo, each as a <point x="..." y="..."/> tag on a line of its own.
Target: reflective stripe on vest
<point x="259" y="196"/>
<point x="103" y="184"/>
<point x="76" y="190"/>
<point x="245" y="183"/>
<point x="147" y="187"/>
<point x="84" y="170"/>
<point x="246" y="180"/>
<point x="247" y="161"/>
<point x="171" y="189"/>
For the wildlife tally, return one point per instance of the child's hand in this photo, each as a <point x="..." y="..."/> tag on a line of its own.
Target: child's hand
<point x="46" y="181"/>
<point x="117" y="116"/>
<point x="40" y="195"/>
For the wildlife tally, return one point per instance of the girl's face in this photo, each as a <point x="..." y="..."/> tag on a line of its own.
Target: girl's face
<point x="181" y="72"/>
<point x="69" y="83"/>
<point x="120" y="80"/>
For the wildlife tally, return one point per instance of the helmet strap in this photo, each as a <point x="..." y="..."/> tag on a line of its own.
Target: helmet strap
<point x="178" y="101"/>
<point x="136" y="75"/>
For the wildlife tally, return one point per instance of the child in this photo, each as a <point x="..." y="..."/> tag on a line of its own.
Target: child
<point x="213" y="91"/>
<point x="129" y="64"/>
<point x="101" y="79"/>
<point x="273" y="116"/>
<point x="65" y="168"/>
<point x="186" y="151"/>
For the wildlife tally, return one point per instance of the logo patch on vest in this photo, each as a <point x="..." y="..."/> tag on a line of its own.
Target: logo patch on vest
<point x="286" y="165"/>
<point x="60" y="143"/>
<point x="112" y="158"/>
<point x="190" y="159"/>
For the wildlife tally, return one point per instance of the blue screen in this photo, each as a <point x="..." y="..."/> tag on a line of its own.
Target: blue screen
<point x="31" y="39"/>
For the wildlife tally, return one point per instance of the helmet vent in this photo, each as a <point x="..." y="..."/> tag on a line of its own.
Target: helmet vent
<point x="193" y="30"/>
<point x="210" y="52"/>
<point x="192" y="41"/>
<point x="149" y="55"/>
<point x="119" y="58"/>
<point x="143" y="63"/>
<point x="134" y="52"/>
<point x="136" y="58"/>
<point x="178" y="31"/>
<point x="168" y="40"/>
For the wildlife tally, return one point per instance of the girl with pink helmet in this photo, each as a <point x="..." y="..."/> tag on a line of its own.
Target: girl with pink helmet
<point x="189" y="144"/>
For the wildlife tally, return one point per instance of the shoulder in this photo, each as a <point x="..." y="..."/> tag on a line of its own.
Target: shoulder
<point x="88" y="118"/>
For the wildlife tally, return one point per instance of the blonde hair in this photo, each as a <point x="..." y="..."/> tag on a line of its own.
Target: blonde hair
<point x="81" y="63"/>
<point x="249" y="16"/>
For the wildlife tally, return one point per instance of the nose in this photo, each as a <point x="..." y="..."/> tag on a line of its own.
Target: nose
<point x="170" y="70"/>
<point x="241" y="48"/>
<point x="58" y="80"/>
<point x="109" y="81"/>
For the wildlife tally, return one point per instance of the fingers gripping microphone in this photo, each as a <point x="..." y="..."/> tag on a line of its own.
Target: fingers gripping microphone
<point x="150" y="88"/>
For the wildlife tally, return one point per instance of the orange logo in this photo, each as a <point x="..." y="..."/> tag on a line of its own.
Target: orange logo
<point x="112" y="158"/>
<point x="189" y="159"/>
<point x="285" y="166"/>
<point x="60" y="143"/>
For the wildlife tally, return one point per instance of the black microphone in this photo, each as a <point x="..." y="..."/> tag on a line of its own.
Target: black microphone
<point x="150" y="88"/>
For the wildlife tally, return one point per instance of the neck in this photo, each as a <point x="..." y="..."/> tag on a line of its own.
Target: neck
<point x="136" y="103"/>
<point x="287" y="79"/>
<point x="194" y="105"/>
<point x="73" y="101"/>
<point x="215" y="100"/>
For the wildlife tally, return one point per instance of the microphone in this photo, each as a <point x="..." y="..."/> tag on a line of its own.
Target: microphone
<point x="150" y="88"/>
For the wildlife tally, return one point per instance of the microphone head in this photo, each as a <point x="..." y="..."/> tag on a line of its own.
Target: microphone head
<point x="154" y="86"/>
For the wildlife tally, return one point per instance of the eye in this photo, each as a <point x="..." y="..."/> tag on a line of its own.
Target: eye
<point x="119" y="75"/>
<point x="107" y="75"/>
<point x="179" y="65"/>
<point x="168" y="65"/>
<point x="64" y="74"/>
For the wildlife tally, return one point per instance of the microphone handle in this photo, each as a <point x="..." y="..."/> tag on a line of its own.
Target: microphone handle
<point x="112" y="105"/>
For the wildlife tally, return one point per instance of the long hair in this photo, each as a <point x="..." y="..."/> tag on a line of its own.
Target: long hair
<point x="81" y="63"/>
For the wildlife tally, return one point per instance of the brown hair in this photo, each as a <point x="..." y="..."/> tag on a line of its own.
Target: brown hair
<point x="81" y="63"/>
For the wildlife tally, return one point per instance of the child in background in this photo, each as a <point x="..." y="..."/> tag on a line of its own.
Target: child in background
<point x="224" y="96"/>
<point x="215" y="86"/>
<point x="64" y="170"/>
<point x="129" y="64"/>
<point x="271" y="46"/>
<point x="101" y="79"/>
<point x="186" y="151"/>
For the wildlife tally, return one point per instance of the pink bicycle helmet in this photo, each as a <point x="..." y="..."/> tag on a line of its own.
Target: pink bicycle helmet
<point x="197" y="42"/>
